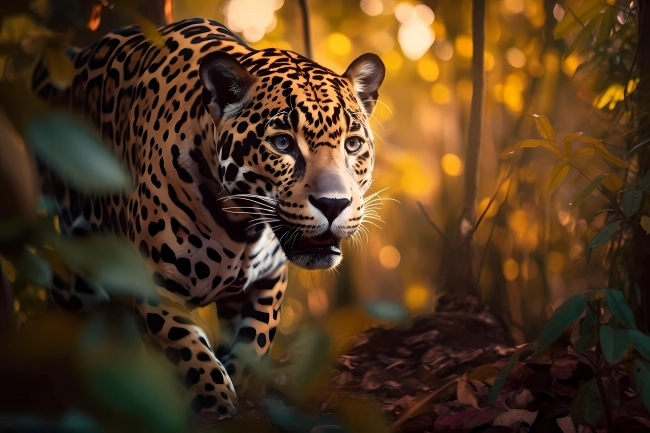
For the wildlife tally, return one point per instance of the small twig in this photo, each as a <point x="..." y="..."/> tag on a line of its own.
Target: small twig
<point x="442" y="235"/>
<point x="491" y="200"/>
<point x="487" y="243"/>
<point x="306" y="28"/>
<point x="421" y="403"/>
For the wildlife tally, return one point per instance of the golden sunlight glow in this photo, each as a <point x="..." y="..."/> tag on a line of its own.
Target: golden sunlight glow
<point x="253" y="18"/>
<point x="392" y="60"/>
<point x="489" y="61"/>
<point x="415" y="35"/>
<point x="317" y="301"/>
<point x="464" y="45"/>
<point x="529" y="269"/>
<point x="428" y="69"/>
<point x="440" y="94"/>
<point x="389" y="257"/>
<point x="383" y="110"/>
<point x="372" y="7"/>
<point x="515" y="57"/>
<point x="555" y="262"/>
<point x="464" y="89"/>
<point x="510" y="269"/>
<point x="444" y="50"/>
<point x="492" y="211"/>
<point x="570" y="64"/>
<point x="514" y="6"/>
<point x="416" y="297"/>
<point x="339" y="44"/>
<point x="452" y="165"/>
<point x="439" y="30"/>
<point x="416" y="181"/>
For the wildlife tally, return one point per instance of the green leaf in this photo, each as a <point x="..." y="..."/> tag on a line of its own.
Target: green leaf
<point x="584" y="34"/>
<point x="602" y="237"/>
<point x="641" y="342"/>
<point x="614" y="343"/>
<point x="588" y="10"/>
<point x="387" y="310"/>
<point x="11" y="229"/>
<point x="615" y="301"/>
<point x="558" y="173"/>
<point x="312" y="354"/>
<point x="608" y="24"/>
<point x="129" y="380"/>
<point x="34" y="269"/>
<point x="501" y="380"/>
<point x="587" y="407"/>
<point x="544" y="127"/>
<point x="564" y="316"/>
<point x="76" y="153"/>
<point x="637" y="147"/>
<point x="588" y="335"/>
<point x="631" y="202"/>
<point x="110" y="261"/>
<point x="590" y="188"/>
<point x="641" y="380"/>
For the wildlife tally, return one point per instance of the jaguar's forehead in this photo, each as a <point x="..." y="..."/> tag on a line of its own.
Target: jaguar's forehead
<point x="292" y="87"/>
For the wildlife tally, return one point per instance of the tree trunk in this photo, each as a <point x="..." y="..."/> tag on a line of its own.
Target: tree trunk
<point x="462" y="264"/>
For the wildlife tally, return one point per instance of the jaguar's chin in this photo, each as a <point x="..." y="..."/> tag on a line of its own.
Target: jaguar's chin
<point x="318" y="252"/>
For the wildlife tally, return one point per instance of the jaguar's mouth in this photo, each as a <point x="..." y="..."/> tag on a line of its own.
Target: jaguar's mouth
<point x="316" y="252"/>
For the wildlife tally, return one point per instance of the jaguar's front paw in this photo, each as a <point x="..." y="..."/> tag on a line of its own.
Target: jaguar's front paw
<point x="215" y="396"/>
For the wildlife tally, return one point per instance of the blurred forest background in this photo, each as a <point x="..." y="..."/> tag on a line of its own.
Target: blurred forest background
<point x="571" y="61"/>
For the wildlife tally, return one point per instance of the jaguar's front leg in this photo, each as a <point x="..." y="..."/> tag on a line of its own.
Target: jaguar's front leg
<point x="170" y="324"/>
<point x="254" y="316"/>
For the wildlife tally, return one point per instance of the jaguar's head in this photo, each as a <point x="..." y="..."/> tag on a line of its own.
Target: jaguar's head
<point x="294" y="143"/>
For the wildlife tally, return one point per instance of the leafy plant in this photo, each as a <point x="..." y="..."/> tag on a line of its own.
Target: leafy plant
<point x="613" y="338"/>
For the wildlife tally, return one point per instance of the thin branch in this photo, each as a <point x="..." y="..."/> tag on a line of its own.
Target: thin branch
<point x="491" y="200"/>
<point x="487" y="243"/>
<point x="306" y="28"/>
<point x="442" y="235"/>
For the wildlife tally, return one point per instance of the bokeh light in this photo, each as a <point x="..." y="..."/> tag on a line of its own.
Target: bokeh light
<point x="389" y="257"/>
<point x="415" y="35"/>
<point x="339" y="44"/>
<point x="452" y="165"/>
<point x="416" y="297"/>
<point x="253" y="18"/>
<point x="510" y="269"/>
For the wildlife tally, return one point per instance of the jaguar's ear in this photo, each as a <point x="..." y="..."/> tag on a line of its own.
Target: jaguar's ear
<point x="225" y="85"/>
<point x="366" y="73"/>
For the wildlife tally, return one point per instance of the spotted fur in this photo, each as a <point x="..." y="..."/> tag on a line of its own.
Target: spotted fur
<point x="219" y="204"/>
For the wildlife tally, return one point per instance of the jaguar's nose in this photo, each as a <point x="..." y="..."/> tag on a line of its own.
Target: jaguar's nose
<point x="330" y="207"/>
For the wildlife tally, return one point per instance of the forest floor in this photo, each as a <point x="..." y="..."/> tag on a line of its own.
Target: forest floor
<point x="436" y="374"/>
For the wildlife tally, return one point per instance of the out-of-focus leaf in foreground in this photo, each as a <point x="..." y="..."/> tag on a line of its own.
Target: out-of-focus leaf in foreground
<point x="76" y="153"/>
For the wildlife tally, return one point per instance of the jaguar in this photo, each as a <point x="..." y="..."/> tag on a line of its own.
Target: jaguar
<point x="242" y="160"/>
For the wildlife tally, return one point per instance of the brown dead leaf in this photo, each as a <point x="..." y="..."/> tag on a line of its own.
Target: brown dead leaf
<point x="515" y="419"/>
<point x="566" y="424"/>
<point x="485" y="373"/>
<point x="465" y="393"/>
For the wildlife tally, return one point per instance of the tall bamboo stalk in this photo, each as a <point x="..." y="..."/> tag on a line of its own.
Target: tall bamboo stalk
<point x="461" y="278"/>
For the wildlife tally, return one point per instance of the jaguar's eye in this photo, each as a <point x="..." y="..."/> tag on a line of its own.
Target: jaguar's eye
<point x="353" y="144"/>
<point x="282" y="142"/>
